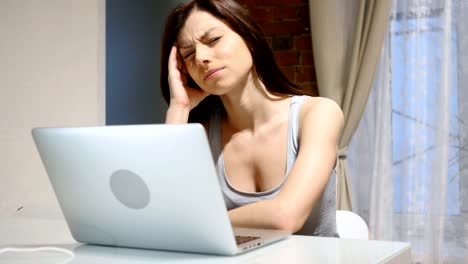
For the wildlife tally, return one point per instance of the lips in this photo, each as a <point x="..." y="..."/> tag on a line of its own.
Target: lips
<point x="211" y="73"/>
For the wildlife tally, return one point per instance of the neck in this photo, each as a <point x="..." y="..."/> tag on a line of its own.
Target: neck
<point x="251" y="106"/>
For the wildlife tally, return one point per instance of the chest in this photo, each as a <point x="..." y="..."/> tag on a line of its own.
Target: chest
<point x="255" y="162"/>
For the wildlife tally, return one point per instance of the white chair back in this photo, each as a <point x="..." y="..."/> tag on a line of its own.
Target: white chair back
<point x="350" y="225"/>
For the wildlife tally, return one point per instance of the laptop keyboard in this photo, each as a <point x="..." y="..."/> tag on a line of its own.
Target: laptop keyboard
<point x="243" y="239"/>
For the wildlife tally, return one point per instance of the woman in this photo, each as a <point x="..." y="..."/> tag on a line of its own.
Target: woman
<point x="275" y="150"/>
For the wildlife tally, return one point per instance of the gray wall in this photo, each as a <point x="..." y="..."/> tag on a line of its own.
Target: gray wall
<point x="133" y="37"/>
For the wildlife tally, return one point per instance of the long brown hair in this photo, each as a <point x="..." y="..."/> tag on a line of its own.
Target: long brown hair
<point x="238" y="19"/>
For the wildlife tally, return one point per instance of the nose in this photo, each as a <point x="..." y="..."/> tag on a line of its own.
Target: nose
<point x="202" y="55"/>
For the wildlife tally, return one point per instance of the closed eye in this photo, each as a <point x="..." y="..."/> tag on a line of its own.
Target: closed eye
<point x="209" y="42"/>
<point x="213" y="40"/>
<point x="187" y="55"/>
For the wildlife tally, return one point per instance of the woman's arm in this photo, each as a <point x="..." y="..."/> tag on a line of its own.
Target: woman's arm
<point x="321" y="122"/>
<point x="177" y="114"/>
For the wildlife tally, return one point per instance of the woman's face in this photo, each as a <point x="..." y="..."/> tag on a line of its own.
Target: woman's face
<point x="215" y="56"/>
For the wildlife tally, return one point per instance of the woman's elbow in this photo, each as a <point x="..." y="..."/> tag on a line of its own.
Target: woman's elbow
<point x="288" y="221"/>
<point x="289" y="225"/>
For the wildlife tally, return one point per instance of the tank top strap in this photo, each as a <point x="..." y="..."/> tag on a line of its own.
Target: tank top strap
<point x="293" y="130"/>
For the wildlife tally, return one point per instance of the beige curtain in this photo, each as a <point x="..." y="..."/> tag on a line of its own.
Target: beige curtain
<point x="347" y="39"/>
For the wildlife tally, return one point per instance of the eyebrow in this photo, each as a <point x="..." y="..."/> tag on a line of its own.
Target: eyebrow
<point x="204" y="36"/>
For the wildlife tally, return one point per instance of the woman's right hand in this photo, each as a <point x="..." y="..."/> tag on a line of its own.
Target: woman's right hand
<point x="181" y="94"/>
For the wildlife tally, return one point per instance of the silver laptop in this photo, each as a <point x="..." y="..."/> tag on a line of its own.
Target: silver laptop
<point x="143" y="186"/>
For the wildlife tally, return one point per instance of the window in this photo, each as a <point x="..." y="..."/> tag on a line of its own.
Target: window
<point x="417" y="69"/>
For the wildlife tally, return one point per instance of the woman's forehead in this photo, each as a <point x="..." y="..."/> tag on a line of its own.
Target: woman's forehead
<point x="199" y="24"/>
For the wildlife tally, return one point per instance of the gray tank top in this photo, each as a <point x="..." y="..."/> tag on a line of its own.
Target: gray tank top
<point x="322" y="219"/>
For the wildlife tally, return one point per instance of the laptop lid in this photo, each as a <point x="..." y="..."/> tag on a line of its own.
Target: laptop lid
<point x="145" y="186"/>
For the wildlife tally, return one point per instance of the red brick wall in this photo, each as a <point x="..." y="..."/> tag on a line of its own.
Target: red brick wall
<point x="286" y="25"/>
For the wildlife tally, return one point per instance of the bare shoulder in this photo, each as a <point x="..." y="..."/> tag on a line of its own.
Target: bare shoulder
<point x="321" y="107"/>
<point x="321" y="114"/>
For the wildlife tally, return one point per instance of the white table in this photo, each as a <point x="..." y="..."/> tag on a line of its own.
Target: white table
<point x="33" y="232"/>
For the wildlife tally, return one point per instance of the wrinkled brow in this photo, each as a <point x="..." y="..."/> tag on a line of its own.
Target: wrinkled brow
<point x="204" y="36"/>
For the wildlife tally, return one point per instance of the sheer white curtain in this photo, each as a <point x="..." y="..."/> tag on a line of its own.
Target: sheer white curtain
<point x="409" y="156"/>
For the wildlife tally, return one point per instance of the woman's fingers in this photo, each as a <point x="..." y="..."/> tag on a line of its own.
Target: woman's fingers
<point x="172" y="63"/>
<point x="176" y="82"/>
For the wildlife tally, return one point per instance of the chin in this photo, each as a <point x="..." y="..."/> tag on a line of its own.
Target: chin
<point x="218" y="88"/>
